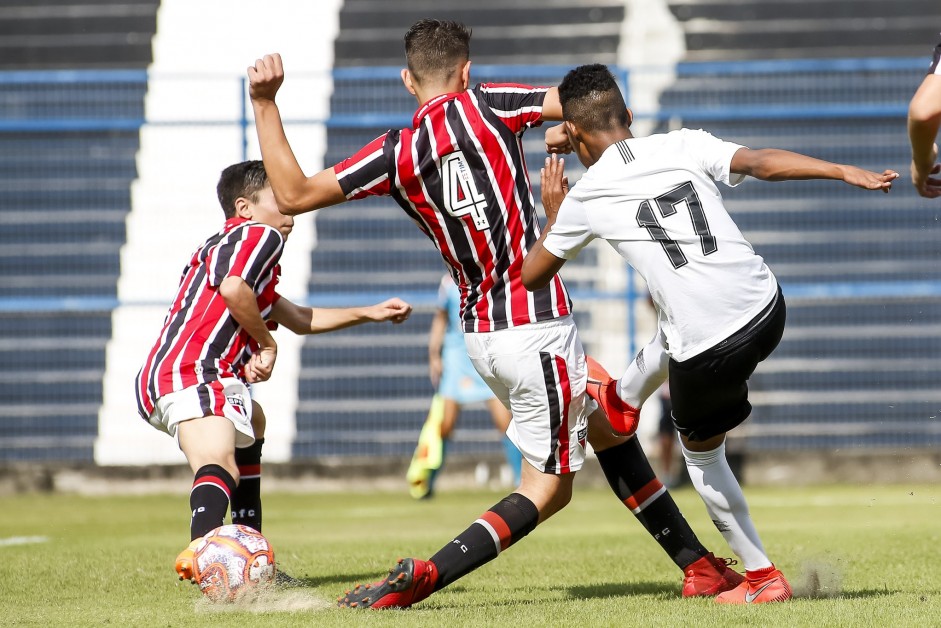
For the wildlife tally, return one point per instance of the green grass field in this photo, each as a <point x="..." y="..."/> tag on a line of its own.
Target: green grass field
<point x="871" y="553"/>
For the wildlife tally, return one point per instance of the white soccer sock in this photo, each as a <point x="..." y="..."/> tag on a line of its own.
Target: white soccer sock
<point x="726" y="505"/>
<point x="645" y="373"/>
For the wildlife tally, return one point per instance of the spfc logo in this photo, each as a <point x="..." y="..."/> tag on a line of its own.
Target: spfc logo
<point x="237" y="403"/>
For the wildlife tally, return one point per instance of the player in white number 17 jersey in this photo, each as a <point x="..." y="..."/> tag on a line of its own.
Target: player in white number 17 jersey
<point x="704" y="276"/>
<point x="720" y="309"/>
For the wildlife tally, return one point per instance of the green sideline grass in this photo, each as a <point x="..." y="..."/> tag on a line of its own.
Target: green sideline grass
<point x="870" y="554"/>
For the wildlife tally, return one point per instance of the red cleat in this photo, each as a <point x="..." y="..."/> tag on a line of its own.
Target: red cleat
<point x="759" y="587"/>
<point x="409" y="582"/>
<point x="604" y="390"/>
<point x="710" y="576"/>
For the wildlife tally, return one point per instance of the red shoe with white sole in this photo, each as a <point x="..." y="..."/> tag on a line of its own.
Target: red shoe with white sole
<point x="759" y="587"/>
<point x="604" y="390"/>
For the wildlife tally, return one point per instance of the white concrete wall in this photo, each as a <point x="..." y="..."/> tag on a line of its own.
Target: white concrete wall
<point x="651" y="44"/>
<point x="201" y="51"/>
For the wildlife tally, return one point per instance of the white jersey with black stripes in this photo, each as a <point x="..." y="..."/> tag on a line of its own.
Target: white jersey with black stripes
<point x="655" y="200"/>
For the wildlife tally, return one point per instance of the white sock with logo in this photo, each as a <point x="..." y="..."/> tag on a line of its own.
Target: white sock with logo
<point x="710" y="473"/>
<point x="644" y="375"/>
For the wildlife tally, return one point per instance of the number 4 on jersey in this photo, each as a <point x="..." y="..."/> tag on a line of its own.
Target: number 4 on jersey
<point x="461" y="196"/>
<point x="668" y="204"/>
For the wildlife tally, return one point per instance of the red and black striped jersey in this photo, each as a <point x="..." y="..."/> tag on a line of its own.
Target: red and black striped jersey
<point x="200" y="340"/>
<point x="460" y="174"/>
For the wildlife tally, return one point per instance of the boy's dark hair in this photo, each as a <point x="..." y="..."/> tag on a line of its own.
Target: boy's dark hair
<point x="242" y="180"/>
<point x="434" y="49"/>
<point x="591" y="98"/>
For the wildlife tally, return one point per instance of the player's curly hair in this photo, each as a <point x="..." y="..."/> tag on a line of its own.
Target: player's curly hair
<point x="241" y="180"/>
<point x="436" y="49"/>
<point x="591" y="98"/>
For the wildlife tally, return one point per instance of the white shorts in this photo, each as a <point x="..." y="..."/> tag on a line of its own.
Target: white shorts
<point x="539" y="372"/>
<point x="227" y="397"/>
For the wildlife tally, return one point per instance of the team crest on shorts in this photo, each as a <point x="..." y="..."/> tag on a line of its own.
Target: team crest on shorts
<point x="237" y="403"/>
<point x="582" y="434"/>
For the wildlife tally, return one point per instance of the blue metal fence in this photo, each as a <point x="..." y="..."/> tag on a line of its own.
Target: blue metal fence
<point x="845" y="110"/>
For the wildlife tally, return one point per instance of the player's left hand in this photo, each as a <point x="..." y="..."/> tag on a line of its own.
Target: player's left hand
<point x="557" y="140"/>
<point x="394" y="309"/>
<point x="925" y="178"/>
<point x="265" y="77"/>
<point x="928" y="186"/>
<point x="868" y="180"/>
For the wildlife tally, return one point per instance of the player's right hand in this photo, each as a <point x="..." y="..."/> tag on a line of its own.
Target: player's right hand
<point x="394" y="309"/>
<point x="555" y="185"/>
<point x="265" y="77"/>
<point x="435" y="368"/>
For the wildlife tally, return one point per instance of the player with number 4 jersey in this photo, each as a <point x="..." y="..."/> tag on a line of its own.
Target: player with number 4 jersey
<point x="459" y="174"/>
<point x="720" y="309"/>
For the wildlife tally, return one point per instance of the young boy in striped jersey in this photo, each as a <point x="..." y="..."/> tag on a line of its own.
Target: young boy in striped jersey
<point x="459" y="173"/>
<point x="216" y="340"/>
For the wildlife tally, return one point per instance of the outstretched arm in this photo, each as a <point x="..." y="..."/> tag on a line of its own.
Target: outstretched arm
<point x="242" y="304"/>
<point x="924" y="120"/>
<point x="315" y="320"/>
<point x="295" y="192"/>
<point x="772" y="164"/>
<point x="539" y="265"/>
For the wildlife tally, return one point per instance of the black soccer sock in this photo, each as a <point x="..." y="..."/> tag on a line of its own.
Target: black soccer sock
<point x="209" y="499"/>
<point x="246" y="499"/>
<point x="632" y="479"/>
<point x="507" y="522"/>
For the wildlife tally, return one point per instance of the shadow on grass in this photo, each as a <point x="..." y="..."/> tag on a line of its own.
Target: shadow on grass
<point x="606" y="590"/>
<point x="596" y="591"/>
<point x="340" y="580"/>
<point x="849" y="595"/>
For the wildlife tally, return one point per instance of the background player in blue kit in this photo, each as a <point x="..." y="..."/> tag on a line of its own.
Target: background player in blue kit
<point x="457" y="384"/>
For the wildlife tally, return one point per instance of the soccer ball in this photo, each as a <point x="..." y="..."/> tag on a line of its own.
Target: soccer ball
<point x="232" y="561"/>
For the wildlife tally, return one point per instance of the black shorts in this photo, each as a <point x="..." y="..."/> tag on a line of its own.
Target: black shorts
<point x="710" y="391"/>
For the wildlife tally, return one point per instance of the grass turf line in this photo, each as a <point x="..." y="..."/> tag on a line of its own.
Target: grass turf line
<point x="860" y="556"/>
